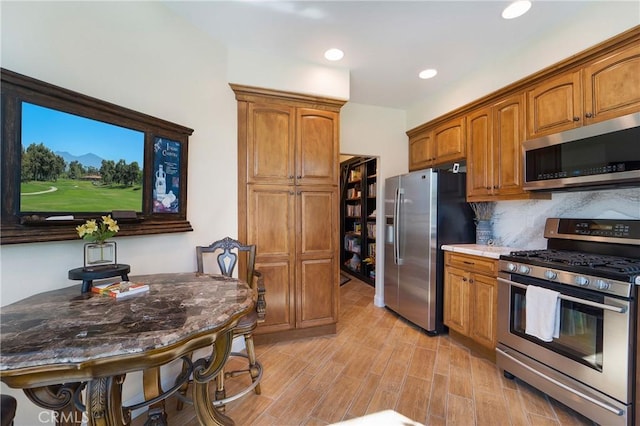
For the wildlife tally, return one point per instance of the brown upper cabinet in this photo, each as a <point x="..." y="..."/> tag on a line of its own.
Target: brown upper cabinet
<point x="286" y="145"/>
<point x="441" y="144"/>
<point x="598" y="84"/>
<point x="602" y="89"/>
<point x="421" y="150"/>
<point x="612" y="85"/>
<point x="494" y="138"/>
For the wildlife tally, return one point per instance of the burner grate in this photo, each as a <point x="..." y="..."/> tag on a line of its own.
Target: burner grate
<point x="568" y="259"/>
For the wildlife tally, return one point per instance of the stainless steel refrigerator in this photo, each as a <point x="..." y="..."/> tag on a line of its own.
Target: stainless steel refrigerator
<point x="423" y="211"/>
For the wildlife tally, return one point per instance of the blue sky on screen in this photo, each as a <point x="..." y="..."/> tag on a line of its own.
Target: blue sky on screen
<point x="60" y="131"/>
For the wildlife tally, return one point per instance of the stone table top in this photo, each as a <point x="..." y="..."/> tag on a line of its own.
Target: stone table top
<point x="63" y="329"/>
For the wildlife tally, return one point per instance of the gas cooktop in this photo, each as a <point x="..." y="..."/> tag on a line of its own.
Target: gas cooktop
<point x="614" y="267"/>
<point x="583" y="252"/>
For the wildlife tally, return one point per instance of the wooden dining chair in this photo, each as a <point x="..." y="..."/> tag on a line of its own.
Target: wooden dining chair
<point x="8" y="412"/>
<point x="227" y="252"/>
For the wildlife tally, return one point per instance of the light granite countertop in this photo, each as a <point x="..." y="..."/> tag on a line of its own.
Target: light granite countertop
<point x="493" y="252"/>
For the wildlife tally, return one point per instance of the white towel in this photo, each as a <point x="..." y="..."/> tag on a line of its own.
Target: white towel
<point x="542" y="313"/>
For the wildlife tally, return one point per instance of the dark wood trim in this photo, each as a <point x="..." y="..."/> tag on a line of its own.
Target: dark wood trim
<point x="20" y="228"/>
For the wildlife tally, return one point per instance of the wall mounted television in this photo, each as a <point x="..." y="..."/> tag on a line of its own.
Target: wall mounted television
<point x="68" y="157"/>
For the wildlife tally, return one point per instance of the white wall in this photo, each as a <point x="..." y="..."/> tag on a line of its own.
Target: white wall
<point x="255" y="68"/>
<point x="376" y="132"/>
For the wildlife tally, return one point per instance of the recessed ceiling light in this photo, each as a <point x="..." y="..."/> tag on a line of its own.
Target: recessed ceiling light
<point x="425" y="74"/>
<point x="515" y="9"/>
<point x="334" y="54"/>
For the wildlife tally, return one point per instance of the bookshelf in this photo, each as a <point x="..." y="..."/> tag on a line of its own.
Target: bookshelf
<point x="358" y="217"/>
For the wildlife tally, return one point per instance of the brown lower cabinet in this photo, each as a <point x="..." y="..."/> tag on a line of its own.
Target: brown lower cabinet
<point x="471" y="297"/>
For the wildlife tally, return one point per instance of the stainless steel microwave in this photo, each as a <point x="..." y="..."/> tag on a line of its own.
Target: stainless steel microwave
<point x="601" y="154"/>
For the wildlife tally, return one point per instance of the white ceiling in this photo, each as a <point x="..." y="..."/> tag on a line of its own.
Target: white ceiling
<point x="386" y="43"/>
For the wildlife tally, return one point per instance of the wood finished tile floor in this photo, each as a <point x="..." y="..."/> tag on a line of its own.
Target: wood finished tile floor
<point x="378" y="361"/>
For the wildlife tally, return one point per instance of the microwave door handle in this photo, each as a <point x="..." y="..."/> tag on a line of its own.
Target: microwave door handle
<point x="617" y="309"/>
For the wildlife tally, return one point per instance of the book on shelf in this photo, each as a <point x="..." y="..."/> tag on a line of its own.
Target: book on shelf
<point x="353" y="210"/>
<point x="371" y="229"/>
<point x="120" y="289"/>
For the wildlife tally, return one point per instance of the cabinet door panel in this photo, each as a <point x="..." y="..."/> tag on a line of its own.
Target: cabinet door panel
<point x="270" y="216"/>
<point x="450" y="141"/>
<point x="554" y="106"/>
<point x="318" y="221"/>
<point x="317" y="147"/>
<point x="507" y="142"/>
<point x="270" y="140"/>
<point x="317" y="253"/>
<point x="612" y="85"/>
<point x="270" y="226"/>
<point x="279" y="295"/>
<point x="479" y="153"/>
<point x="484" y="299"/>
<point x="456" y="300"/>
<point x="317" y="292"/>
<point x="421" y="151"/>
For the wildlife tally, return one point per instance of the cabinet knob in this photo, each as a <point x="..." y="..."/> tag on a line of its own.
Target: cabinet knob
<point x="298" y="177"/>
<point x="495" y="187"/>
<point x="576" y="118"/>
<point x="470" y="281"/>
<point x="290" y="176"/>
<point x="589" y="115"/>
<point x="488" y="187"/>
<point x="464" y="279"/>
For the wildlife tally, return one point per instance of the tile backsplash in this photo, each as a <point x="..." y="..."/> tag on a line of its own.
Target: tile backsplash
<point x="520" y="224"/>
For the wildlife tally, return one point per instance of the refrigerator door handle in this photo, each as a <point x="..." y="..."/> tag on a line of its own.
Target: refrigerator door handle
<point x="396" y="221"/>
<point x="395" y="226"/>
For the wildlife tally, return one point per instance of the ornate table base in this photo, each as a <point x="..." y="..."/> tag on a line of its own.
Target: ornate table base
<point x="104" y="395"/>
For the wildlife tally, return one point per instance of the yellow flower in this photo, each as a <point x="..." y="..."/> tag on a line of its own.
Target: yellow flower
<point x="91" y="226"/>
<point x="112" y="225"/>
<point x="82" y="230"/>
<point x="98" y="233"/>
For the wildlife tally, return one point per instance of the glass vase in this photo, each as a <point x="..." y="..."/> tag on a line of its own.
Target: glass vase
<point x="100" y="255"/>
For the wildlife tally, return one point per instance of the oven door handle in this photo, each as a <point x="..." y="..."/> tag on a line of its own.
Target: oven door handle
<point x="576" y="392"/>
<point x="617" y="309"/>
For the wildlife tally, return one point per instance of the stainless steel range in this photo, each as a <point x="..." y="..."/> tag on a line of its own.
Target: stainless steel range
<point x="592" y="266"/>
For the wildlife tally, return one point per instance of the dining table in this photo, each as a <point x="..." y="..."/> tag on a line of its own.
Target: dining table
<point x="71" y="352"/>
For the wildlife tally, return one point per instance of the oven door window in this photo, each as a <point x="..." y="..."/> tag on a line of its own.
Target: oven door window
<point x="581" y="329"/>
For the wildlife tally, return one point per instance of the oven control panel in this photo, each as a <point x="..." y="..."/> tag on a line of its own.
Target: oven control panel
<point x="625" y="231"/>
<point x="588" y="282"/>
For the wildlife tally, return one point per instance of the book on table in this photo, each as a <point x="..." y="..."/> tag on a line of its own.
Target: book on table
<point x="120" y="289"/>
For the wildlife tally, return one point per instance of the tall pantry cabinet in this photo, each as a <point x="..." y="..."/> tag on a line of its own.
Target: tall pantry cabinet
<point x="288" y="206"/>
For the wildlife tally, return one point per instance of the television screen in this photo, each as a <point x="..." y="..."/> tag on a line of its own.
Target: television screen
<point x="71" y="163"/>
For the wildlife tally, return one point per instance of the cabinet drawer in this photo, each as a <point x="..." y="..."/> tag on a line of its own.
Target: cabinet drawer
<point x="470" y="263"/>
